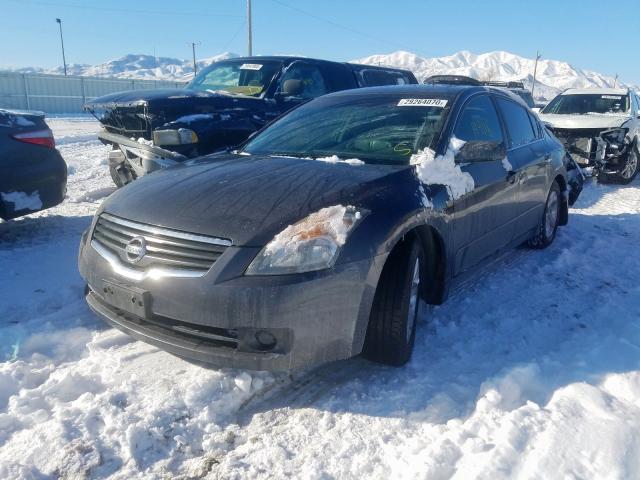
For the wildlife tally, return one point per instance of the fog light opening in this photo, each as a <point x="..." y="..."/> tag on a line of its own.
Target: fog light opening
<point x="265" y="339"/>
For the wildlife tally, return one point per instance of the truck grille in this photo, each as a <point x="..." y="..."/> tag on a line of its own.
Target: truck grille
<point x="164" y="247"/>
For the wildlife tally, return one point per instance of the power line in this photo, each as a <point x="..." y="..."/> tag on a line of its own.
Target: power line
<point x="235" y="34"/>
<point x="126" y="10"/>
<point x="343" y="27"/>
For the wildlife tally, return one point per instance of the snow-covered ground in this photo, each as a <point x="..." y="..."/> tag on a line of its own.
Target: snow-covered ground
<point x="531" y="370"/>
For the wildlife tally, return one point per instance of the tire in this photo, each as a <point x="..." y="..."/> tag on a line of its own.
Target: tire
<point x="628" y="173"/>
<point x="548" y="227"/>
<point x="120" y="179"/>
<point x="392" y="324"/>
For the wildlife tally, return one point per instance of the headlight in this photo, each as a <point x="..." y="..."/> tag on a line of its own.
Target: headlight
<point x="311" y="244"/>
<point x="615" y="135"/>
<point x="182" y="136"/>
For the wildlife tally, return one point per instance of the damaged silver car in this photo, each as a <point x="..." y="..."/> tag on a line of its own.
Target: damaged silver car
<point x="600" y="129"/>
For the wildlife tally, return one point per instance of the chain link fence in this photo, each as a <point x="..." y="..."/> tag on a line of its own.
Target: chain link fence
<point x="60" y="94"/>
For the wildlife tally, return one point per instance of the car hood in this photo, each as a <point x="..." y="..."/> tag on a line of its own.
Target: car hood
<point x="173" y="97"/>
<point x="247" y="199"/>
<point x="591" y="121"/>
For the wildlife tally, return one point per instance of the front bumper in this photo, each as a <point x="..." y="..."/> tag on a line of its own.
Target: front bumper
<point x="141" y="157"/>
<point x="315" y="317"/>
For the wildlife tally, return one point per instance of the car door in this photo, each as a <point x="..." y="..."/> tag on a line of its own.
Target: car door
<point x="483" y="218"/>
<point x="530" y="160"/>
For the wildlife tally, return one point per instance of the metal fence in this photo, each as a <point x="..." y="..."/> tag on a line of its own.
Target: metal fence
<point x="60" y="94"/>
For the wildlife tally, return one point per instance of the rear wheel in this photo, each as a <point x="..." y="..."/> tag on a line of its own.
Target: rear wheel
<point x="394" y="314"/>
<point x="549" y="224"/>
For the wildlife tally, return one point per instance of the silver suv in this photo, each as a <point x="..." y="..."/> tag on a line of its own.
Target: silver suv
<point x="600" y="129"/>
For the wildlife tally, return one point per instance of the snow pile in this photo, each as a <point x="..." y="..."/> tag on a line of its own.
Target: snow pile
<point x="442" y="169"/>
<point x="336" y="159"/>
<point x="22" y="200"/>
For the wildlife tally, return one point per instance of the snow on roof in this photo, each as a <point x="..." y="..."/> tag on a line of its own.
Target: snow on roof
<point x="596" y="91"/>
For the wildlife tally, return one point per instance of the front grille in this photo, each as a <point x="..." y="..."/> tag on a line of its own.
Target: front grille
<point x="164" y="247"/>
<point x="579" y="143"/>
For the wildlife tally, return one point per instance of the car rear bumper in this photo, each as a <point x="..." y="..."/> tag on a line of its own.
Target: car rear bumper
<point x="218" y="318"/>
<point x="43" y="178"/>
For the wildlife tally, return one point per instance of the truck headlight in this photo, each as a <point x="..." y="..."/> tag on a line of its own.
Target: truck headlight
<point x="311" y="244"/>
<point x="182" y="136"/>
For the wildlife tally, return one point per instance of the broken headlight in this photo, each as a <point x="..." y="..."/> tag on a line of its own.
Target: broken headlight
<point x="311" y="244"/>
<point x="182" y="136"/>
<point x="615" y="135"/>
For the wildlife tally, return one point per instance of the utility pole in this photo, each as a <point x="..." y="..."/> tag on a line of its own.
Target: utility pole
<point x="64" y="61"/>
<point x="535" y="71"/>
<point x="195" y="66"/>
<point x="249" y="33"/>
<point x="615" y="81"/>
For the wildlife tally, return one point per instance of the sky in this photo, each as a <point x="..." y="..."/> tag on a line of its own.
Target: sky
<point x="584" y="33"/>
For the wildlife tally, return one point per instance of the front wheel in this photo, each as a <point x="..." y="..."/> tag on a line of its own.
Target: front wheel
<point x="121" y="174"/>
<point x="546" y="233"/>
<point x="394" y="314"/>
<point x="628" y="171"/>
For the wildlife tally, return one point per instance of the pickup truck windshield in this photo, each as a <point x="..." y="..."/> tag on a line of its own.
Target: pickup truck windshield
<point x="385" y="129"/>
<point x="236" y="77"/>
<point x="584" y="104"/>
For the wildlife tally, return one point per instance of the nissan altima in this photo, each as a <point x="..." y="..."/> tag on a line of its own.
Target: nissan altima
<point x="319" y="237"/>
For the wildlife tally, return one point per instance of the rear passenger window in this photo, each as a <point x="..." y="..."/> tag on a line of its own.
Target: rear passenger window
<point x="375" y="78"/>
<point x="537" y="129"/>
<point x="518" y="123"/>
<point x="479" y="122"/>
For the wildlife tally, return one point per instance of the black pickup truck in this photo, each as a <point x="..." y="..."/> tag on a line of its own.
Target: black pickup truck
<point x="221" y="107"/>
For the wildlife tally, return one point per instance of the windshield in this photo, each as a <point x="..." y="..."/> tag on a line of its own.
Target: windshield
<point x="584" y="104"/>
<point x="236" y="77"/>
<point x="375" y="129"/>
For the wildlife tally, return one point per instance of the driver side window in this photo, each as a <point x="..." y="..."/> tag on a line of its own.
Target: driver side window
<point x="479" y="122"/>
<point x="308" y="81"/>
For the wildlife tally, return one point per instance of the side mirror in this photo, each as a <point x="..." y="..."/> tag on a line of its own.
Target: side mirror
<point x="292" y="87"/>
<point x="481" y="151"/>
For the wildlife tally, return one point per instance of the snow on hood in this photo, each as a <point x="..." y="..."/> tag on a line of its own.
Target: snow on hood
<point x="591" y="120"/>
<point x="443" y="170"/>
<point x="336" y="159"/>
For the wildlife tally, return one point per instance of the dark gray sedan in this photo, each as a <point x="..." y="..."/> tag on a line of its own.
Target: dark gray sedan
<point x="33" y="175"/>
<point x="316" y="240"/>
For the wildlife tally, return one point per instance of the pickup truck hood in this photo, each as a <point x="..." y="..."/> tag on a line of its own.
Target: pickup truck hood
<point x="247" y="199"/>
<point x="174" y="97"/>
<point x="588" y="121"/>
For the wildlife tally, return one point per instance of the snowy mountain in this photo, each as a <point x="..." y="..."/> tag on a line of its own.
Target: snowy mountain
<point x="135" y="66"/>
<point x="552" y="76"/>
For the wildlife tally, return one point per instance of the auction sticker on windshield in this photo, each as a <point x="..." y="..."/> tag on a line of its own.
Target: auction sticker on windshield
<point x="250" y="66"/>
<point x="422" y="102"/>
